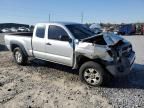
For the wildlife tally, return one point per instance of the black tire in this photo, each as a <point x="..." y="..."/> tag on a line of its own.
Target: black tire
<point x="23" y="60"/>
<point x="103" y="76"/>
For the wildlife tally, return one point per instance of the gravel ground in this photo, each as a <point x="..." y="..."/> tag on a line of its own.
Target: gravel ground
<point x="47" y="85"/>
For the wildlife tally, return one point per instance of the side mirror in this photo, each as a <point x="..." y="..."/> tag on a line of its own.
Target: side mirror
<point x="65" y="38"/>
<point x="76" y="41"/>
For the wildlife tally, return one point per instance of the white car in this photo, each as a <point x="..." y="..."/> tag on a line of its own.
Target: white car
<point x="5" y="30"/>
<point x="13" y="30"/>
<point x="96" y="28"/>
<point x="23" y="29"/>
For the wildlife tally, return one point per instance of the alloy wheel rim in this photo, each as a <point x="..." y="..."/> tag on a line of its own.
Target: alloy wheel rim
<point x="18" y="56"/>
<point x="92" y="76"/>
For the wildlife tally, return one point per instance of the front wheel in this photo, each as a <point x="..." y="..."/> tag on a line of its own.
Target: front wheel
<point x="92" y="74"/>
<point x="19" y="56"/>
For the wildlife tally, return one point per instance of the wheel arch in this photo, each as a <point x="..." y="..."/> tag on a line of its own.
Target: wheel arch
<point x="81" y="59"/>
<point x="14" y="44"/>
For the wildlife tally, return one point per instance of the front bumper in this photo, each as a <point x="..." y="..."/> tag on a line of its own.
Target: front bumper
<point x="122" y="68"/>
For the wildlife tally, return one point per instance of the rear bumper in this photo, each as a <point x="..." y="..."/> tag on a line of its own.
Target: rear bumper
<point x="123" y="68"/>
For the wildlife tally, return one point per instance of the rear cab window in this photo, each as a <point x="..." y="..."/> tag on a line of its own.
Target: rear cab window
<point x="40" y="31"/>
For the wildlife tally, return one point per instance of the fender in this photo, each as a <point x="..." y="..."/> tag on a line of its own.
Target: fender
<point x="16" y="43"/>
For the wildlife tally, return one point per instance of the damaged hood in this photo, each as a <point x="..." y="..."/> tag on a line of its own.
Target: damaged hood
<point x="109" y="39"/>
<point x="112" y="39"/>
<point x="98" y="46"/>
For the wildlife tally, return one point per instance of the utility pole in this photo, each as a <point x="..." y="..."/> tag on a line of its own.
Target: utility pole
<point x="82" y="17"/>
<point x="49" y="17"/>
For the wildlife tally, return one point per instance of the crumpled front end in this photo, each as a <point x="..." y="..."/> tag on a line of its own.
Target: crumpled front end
<point x="93" y="51"/>
<point x="122" y="67"/>
<point x="117" y="53"/>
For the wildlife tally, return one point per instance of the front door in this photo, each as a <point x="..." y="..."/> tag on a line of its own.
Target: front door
<point x="57" y="50"/>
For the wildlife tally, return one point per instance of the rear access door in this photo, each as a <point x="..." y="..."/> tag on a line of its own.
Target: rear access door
<point x="38" y="41"/>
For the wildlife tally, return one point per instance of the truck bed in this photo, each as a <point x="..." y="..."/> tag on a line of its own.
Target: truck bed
<point x="26" y="34"/>
<point x="22" y="39"/>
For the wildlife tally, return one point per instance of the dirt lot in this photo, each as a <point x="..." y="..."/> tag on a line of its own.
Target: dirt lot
<point x="47" y="85"/>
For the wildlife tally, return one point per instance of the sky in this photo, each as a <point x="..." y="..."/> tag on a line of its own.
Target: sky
<point x="35" y="11"/>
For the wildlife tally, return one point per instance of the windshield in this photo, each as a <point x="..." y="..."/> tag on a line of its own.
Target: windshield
<point x="80" y="31"/>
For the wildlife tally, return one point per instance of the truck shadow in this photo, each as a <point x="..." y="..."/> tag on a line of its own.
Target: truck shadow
<point x="41" y="63"/>
<point x="3" y="48"/>
<point x="134" y="80"/>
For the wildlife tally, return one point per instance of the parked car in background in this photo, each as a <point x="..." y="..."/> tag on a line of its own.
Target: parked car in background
<point x="23" y="29"/>
<point x="96" y="28"/>
<point x="6" y="30"/>
<point x="139" y="29"/>
<point x="142" y="29"/>
<point x="13" y="30"/>
<point x="127" y="29"/>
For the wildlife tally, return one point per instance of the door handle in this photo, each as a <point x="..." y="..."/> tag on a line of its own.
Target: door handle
<point x="48" y="44"/>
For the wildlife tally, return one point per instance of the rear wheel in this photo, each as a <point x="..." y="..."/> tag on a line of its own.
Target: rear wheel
<point x="93" y="74"/>
<point x="19" y="56"/>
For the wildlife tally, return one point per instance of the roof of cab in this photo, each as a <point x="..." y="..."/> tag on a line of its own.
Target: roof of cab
<point x="62" y="23"/>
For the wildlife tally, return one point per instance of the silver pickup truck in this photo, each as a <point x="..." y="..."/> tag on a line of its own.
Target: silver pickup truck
<point x="96" y="56"/>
